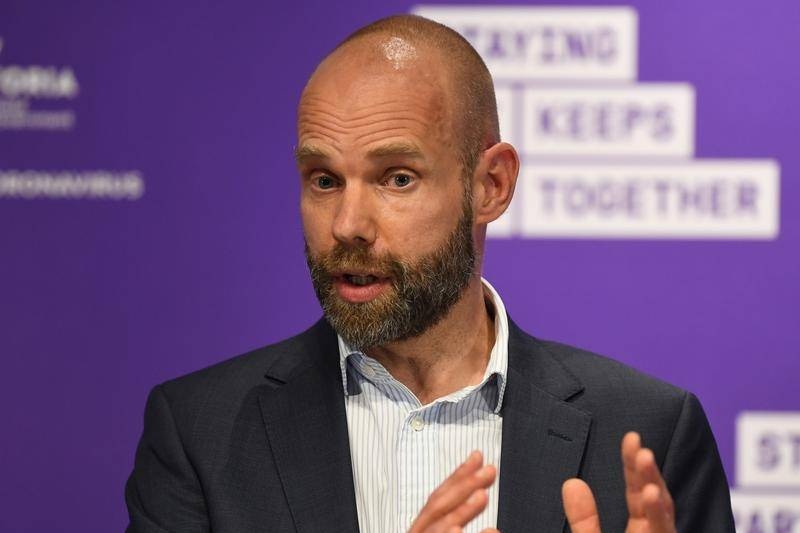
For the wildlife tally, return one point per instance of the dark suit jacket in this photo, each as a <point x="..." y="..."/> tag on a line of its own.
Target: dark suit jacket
<point x="259" y="443"/>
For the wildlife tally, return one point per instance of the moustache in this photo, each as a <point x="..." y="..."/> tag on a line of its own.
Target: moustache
<point x="344" y="260"/>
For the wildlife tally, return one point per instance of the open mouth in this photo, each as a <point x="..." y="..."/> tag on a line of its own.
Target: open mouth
<point x="360" y="287"/>
<point x="360" y="280"/>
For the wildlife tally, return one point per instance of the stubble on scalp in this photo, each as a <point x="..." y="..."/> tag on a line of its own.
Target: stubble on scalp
<point x="402" y="40"/>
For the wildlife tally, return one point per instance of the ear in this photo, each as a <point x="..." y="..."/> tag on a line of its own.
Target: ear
<point x="494" y="181"/>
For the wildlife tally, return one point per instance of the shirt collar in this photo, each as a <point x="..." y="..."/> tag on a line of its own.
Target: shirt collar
<point x="498" y="358"/>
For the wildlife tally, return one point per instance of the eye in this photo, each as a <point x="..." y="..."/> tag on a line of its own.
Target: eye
<point x="401" y="180"/>
<point x="323" y="181"/>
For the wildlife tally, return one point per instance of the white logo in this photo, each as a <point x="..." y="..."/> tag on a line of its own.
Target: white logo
<point x="547" y="42"/>
<point x="71" y="185"/>
<point x="766" y="499"/>
<point x="604" y="156"/>
<point x="21" y="86"/>
<point x="38" y="82"/>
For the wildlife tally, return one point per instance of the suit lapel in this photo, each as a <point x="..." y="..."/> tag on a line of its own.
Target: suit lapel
<point x="306" y="428"/>
<point x="543" y="438"/>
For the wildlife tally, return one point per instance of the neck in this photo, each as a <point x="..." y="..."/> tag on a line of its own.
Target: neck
<point x="448" y="356"/>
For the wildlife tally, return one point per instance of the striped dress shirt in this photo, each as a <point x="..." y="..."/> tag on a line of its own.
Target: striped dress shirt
<point x="402" y="450"/>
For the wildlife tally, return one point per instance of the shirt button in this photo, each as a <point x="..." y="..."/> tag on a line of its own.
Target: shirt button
<point x="369" y="372"/>
<point x="417" y="424"/>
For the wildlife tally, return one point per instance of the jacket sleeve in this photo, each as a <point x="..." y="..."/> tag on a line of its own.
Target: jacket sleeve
<point x="695" y="476"/>
<point x="163" y="493"/>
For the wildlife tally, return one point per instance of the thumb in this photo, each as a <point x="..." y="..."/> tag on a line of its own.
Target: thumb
<point x="579" y="507"/>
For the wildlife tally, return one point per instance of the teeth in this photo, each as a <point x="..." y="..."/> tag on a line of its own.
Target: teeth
<point x="361" y="280"/>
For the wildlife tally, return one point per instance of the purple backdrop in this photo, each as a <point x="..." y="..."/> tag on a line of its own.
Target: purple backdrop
<point x="101" y="299"/>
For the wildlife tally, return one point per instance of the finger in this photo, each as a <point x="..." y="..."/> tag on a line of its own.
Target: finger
<point x="426" y="516"/>
<point x="445" y="500"/>
<point x="650" y="474"/>
<point x="471" y="465"/>
<point x="454" y="491"/>
<point x="658" y="519"/>
<point x="461" y="516"/>
<point x="490" y="530"/>
<point x="634" y="478"/>
<point x="631" y="444"/>
<point x="579" y="506"/>
<point x="472" y="507"/>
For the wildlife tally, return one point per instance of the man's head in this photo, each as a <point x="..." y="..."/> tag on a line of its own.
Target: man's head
<point x="400" y="41"/>
<point x="402" y="168"/>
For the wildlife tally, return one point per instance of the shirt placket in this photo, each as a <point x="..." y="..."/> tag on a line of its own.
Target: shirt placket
<point x="417" y="462"/>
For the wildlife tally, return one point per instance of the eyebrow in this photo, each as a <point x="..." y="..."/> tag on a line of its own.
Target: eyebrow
<point x="396" y="148"/>
<point x="310" y="151"/>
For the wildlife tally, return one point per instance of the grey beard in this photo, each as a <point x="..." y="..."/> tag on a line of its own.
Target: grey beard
<point x="421" y="294"/>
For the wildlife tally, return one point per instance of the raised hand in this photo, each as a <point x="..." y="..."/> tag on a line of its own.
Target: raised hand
<point x="460" y="498"/>
<point x="650" y="506"/>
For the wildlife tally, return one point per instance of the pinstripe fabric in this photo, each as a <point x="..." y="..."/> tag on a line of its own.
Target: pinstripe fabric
<point x="401" y="450"/>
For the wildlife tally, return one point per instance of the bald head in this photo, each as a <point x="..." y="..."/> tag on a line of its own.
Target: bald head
<point x="425" y="51"/>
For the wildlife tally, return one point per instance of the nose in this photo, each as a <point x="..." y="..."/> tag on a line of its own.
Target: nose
<point x="354" y="224"/>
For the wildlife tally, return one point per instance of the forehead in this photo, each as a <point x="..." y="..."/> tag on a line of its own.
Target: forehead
<point x="361" y="99"/>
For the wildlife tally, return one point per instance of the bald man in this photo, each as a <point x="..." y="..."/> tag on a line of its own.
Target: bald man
<point x="416" y="404"/>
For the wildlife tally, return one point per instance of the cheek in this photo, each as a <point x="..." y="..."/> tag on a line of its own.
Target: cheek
<point x="316" y="226"/>
<point x="419" y="227"/>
